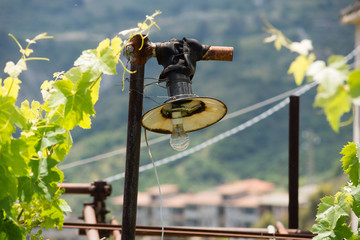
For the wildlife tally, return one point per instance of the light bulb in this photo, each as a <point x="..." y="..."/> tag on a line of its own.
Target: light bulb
<point x="179" y="140"/>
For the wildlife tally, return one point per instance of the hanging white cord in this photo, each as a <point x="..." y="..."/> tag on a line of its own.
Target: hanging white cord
<point x="159" y="186"/>
<point x="219" y="137"/>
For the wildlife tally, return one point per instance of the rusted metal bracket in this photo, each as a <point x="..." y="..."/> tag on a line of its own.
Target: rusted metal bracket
<point x="94" y="212"/>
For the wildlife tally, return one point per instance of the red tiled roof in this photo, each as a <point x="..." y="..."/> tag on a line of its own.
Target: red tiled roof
<point x="251" y="201"/>
<point x="251" y="186"/>
<point x="165" y="189"/>
<point x="144" y="199"/>
<point x="211" y="197"/>
<point x="178" y="201"/>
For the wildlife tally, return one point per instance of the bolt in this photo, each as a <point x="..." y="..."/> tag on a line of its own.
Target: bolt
<point x="129" y="52"/>
<point x="129" y="48"/>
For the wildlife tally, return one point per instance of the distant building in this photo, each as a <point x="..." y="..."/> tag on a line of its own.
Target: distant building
<point x="236" y="204"/>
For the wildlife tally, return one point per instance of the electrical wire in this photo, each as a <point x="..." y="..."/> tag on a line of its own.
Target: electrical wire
<point x="269" y="101"/>
<point x="110" y="154"/>
<point x="219" y="137"/>
<point x="159" y="186"/>
<point x="166" y="137"/>
<point x="262" y="104"/>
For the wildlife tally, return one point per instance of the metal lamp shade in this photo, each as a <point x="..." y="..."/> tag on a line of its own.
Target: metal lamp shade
<point x="197" y="113"/>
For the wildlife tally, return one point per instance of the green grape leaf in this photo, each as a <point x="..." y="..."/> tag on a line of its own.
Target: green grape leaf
<point x="9" y="115"/>
<point x="354" y="83"/>
<point x="25" y="189"/>
<point x="102" y="46"/>
<point x="41" y="188"/>
<point x="12" y="86"/>
<point x="85" y="121"/>
<point x="338" y="62"/>
<point x="52" y="136"/>
<point x="330" y="212"/>
<point x="323" y="231"/>
<point x="76" y="103"/>
<point x="13" y="69"/>
<point x="302" y="48"/>
<point x="334" y="105"/>
<point x="350" y="162"/>
<point x="74" y="74"/>
<point x="330" y="79"/>
<point x="54" y="216"/>
<point x="31" y="114"/>
<point x="326" y="203"/>
<point x="342" y="230"/>
<point x="95" y="91"/>
<point x="62" y="148"/>
<point x="344" y="201"/>
<point x="9" y="230"/>
<point x="116" y="45"/>
<point x="34" y="165"/>
<point x="315" y="68"/>
<point x="64" y="206"/>
<point x="299" y="67"/>
<point x="8" y="186"/>
<point x="104" y="63"/>
<point x="48" y="172"/>
<point x="16" y="154"/>
<point x="62" y="90"/>
<point x="46" y="176"/>
<point x="6" y="205"/>
<point x="355" y="193"/>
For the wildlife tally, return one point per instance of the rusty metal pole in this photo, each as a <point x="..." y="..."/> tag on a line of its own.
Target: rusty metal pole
<point x="138" y="51"/>
<point x="294" y="162"/>
<point x="90" y="217"/>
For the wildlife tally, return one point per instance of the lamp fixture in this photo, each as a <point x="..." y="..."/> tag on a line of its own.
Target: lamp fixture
<point x="183" y="111"/>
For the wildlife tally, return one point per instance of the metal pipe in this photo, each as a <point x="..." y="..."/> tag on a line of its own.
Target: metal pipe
<point x="116" y="232"/>
<point x="77" y="188"/>
<point x="280" y="227"/>
<point x="139" y="50"/>
<point x="90" y="218"/>
<point x="133" y="152"/>
<point x="219" y="53"/>
<point x="293" y="209"/>
<point x="258" y="233"/>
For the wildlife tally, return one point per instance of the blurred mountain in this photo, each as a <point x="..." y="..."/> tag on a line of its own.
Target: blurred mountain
<point x="258" y="72"/>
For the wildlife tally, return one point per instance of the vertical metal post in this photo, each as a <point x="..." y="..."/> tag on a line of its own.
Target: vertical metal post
<point x="90" y="217"/>
<point x="132" y="152"/>
<point x="294" y="162"/>
<point x="137" y="51"/>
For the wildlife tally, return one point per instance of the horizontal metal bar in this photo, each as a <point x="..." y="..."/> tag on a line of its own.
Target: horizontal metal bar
<point x="199" y="232"/>
<point x="219" y="53"/>
<point x="77" y="188"/>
